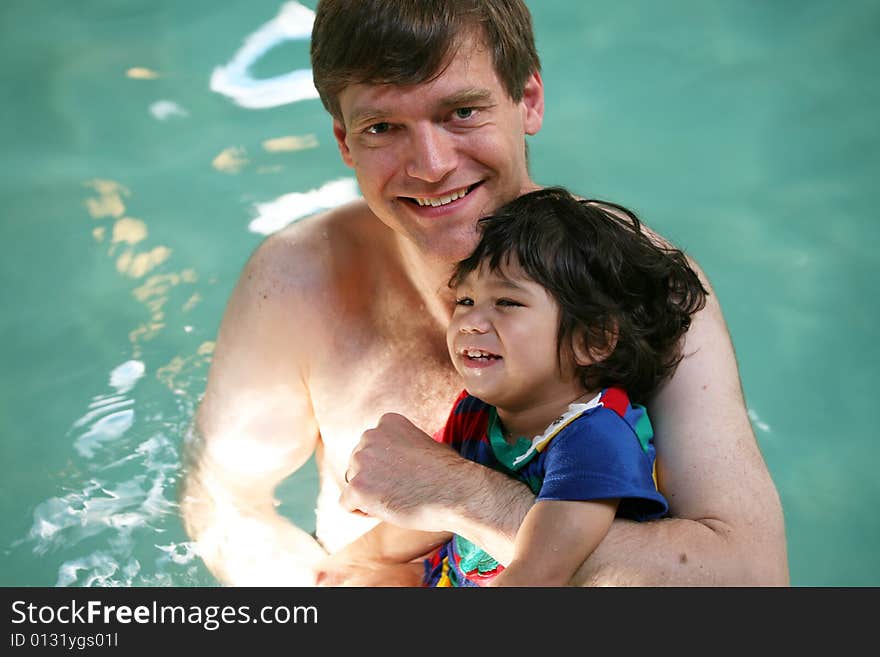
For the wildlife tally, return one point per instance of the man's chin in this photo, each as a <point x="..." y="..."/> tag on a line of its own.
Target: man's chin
<point x="449" y="252"/>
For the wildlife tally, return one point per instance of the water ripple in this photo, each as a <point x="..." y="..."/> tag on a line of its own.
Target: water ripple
<point x="125" y="498"/>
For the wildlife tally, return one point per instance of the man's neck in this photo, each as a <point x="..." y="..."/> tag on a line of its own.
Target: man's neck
<point x="429" y="279"/>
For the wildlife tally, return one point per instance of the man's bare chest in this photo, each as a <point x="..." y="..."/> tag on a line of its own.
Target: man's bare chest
<point x="370" y="375"/>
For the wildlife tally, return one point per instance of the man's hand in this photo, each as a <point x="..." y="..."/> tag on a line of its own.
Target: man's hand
<point x="399" y="474"/>
<point x="335" y="570"/>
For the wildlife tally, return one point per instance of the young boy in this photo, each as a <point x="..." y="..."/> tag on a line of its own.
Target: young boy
<point x="567" y="317"/>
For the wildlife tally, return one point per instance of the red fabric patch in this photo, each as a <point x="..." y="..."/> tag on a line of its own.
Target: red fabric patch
<point x="616" y="399"/>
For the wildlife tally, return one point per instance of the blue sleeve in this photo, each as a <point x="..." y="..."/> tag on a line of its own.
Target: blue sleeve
<point x="597" y="457"/>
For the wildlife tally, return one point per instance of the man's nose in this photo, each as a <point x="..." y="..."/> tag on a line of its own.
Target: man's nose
<point x="432" y="153"/>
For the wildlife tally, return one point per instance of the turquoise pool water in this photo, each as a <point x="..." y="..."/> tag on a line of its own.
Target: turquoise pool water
<point x="148" y="147"/>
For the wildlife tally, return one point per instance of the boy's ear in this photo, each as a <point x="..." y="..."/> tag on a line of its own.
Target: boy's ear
<point x="593" y="346"/>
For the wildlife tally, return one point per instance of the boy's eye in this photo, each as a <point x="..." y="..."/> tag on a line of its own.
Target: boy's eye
<point x="378" y="128"/>
<point x="464" y="301"/>
<point x="508" y="302"/>
<point x="464" y="112"/>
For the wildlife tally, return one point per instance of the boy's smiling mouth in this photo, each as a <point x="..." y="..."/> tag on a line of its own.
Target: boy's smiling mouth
<point x="478" y="355"/>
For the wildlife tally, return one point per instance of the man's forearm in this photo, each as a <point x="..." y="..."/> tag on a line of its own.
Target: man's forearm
<point x="678" y="552"/>
<point x="488" y="508"/>
<point x="729" y="540"/>
<point x="245" y="542"/>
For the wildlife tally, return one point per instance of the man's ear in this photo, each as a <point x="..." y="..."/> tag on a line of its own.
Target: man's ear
<point x="533" y="104"/>
<point x="594" y="347"/>
<point x="340" y="133"/>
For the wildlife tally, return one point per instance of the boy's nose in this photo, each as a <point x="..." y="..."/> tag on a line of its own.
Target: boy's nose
<point x="475" y="322"/>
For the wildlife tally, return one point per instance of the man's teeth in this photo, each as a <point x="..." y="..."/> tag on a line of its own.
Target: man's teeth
<point x="442" y="200"/>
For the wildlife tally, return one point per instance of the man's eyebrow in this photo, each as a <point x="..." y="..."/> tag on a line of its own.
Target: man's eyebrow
<point x="368" y="115"/>
<point x="465" y="97"/>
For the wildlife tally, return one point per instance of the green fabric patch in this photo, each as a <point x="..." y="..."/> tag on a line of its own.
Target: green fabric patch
<point x="644" y="430"/>
<point x="472" y="557"/>
<point x="504" y="451"/>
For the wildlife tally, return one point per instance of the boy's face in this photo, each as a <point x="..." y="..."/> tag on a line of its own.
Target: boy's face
<point x="432" y="158"/>
<point x="503" y="341"/>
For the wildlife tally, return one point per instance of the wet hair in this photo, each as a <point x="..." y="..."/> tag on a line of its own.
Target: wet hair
<point x="629" y="299"/>
<point x="412" y="41"/>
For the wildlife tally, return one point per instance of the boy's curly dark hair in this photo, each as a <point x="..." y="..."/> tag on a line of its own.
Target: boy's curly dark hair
<point x="629" y="297"/>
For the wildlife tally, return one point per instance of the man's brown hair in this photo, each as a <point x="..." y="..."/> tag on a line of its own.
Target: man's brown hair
<point x="412" y="41"/>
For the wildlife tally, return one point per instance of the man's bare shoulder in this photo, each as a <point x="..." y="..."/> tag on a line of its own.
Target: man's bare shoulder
<point x="626" y="215"/>
<point x="285" y="307"/>
<point x="317" y="255"/>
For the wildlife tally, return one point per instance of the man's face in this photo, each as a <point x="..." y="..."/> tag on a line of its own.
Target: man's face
<point x="432" y="158"/>
<point x="503" y="341"/>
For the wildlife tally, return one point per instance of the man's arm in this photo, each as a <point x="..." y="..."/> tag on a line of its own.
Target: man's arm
<point x="728" y="527"/>
<point x="254" y="428"/>
<point x="399" y="474"/>
<point x="386" y="555"/>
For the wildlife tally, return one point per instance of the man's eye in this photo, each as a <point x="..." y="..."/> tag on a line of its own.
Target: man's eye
<point x="464" y="301"/>
<point x="464" y="112"/>
<point x="378" y="128"/>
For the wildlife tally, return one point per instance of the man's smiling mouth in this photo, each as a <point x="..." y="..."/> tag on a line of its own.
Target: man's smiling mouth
<point x="438" y="201"/>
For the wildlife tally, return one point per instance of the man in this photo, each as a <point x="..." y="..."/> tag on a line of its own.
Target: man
<point x="333" y="340"/>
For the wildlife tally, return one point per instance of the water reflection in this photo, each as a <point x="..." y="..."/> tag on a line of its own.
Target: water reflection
<point x="230" y="160"/>
<point x="115" y="520"/>
<point x="141" y="73"/>
<point x="290" y="143"/>
<point x="293" y="22"/>
<point x="135" y="259"/>
<point x="234" y="159"/>
<point x="275" y="215"/>
<point x="163" y="110"/>
<point x="122" y="493"/>
<point x="129" y="491"/>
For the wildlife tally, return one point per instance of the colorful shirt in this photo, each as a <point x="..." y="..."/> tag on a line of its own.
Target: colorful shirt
<point x="599" y="450"/>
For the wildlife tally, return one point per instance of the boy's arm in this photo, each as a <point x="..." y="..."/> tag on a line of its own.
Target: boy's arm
<point x="554" y="540"/>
